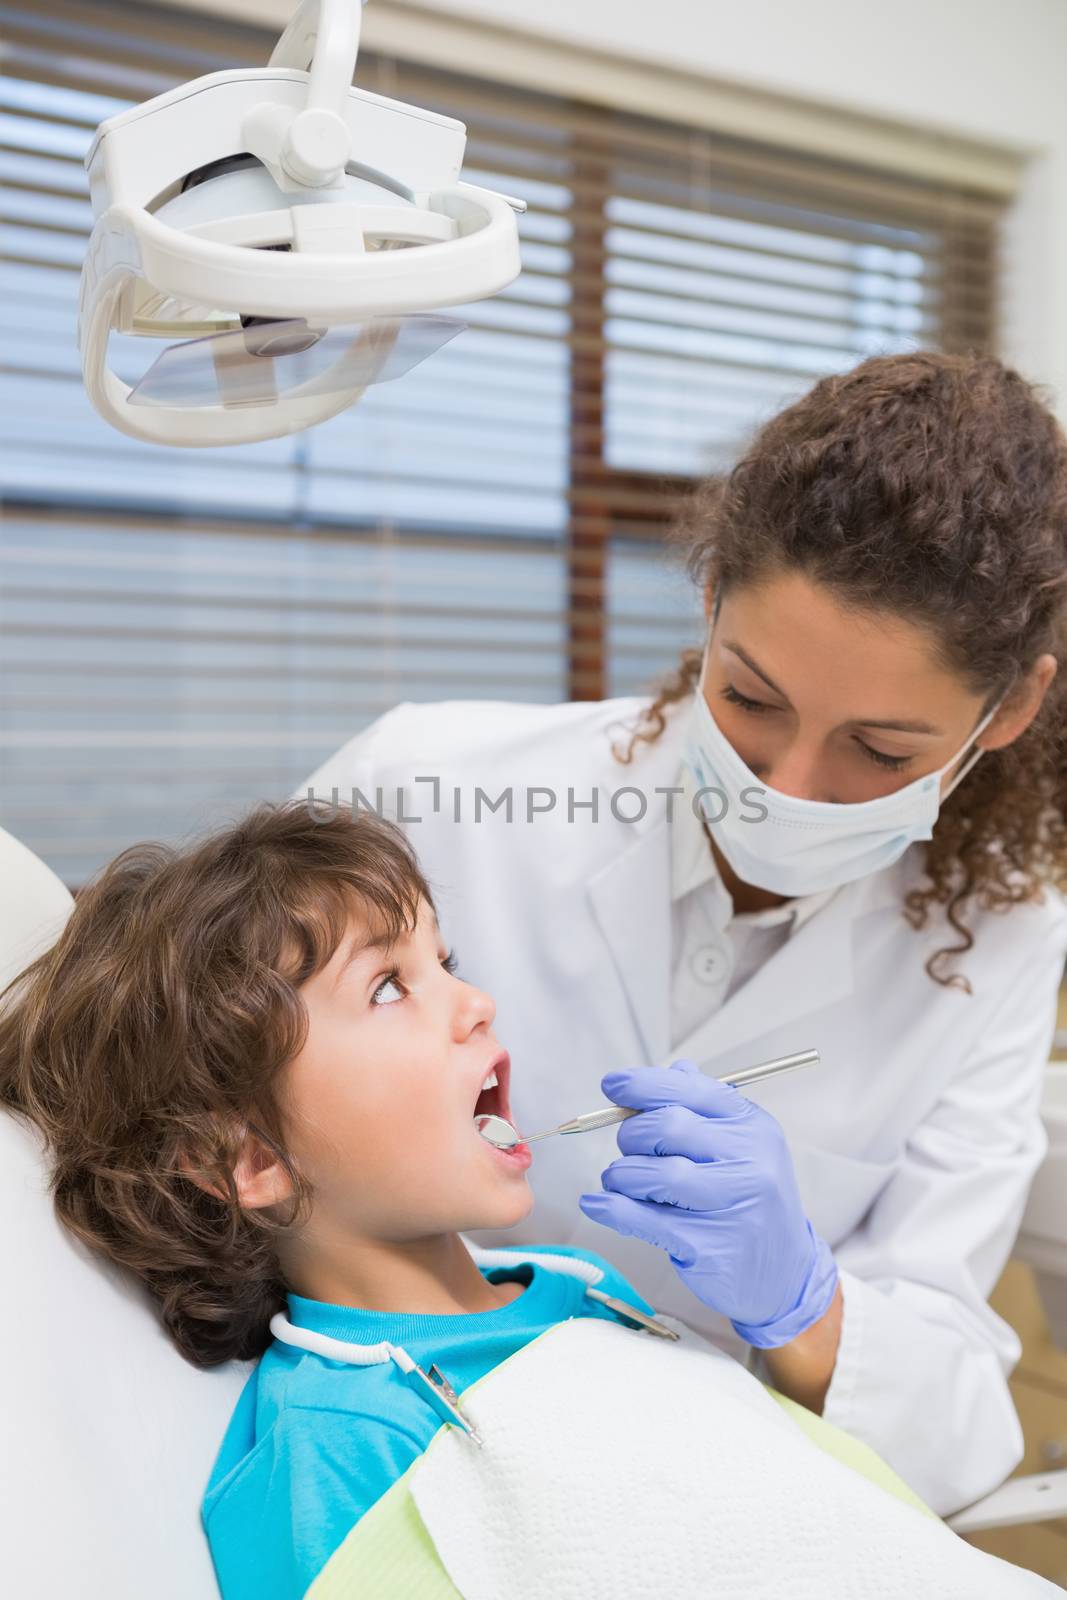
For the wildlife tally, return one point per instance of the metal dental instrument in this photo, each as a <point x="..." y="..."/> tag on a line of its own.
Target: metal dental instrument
<point x="504" y="1135"/>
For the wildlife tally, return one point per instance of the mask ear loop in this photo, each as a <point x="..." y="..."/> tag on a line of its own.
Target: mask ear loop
<point x="978" y="754"/>
<point x="707" y="637"/>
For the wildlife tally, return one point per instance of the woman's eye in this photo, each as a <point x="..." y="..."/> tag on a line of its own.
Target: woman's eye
<point x="386" y="983"/>
<point x="737" y="699"/>
<point x="894" y="763"/>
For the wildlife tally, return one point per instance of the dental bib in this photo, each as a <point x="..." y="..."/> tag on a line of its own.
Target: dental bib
<point x="619" y="1465"/>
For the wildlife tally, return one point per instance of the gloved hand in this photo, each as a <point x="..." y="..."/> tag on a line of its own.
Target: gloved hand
<point x="706" y="1175"/>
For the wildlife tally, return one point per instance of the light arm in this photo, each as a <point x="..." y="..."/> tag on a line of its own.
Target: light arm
<point x="323" y="40"/>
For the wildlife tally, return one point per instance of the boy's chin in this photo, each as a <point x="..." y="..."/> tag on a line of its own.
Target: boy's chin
<point x="506" y="1211"/>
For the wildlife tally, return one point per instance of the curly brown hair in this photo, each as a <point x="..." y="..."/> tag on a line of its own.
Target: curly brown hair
<point x="152" y="1033"/>
<point x="934" y="487"/>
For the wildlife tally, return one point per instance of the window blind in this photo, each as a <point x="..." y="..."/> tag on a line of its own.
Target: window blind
<point x="183" y="632"/>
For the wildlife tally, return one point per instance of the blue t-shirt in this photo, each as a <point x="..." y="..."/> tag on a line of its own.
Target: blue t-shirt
<point x="313" y="1443"/>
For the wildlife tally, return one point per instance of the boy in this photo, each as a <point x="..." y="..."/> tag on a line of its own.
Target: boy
<point x="258" y="1070"/>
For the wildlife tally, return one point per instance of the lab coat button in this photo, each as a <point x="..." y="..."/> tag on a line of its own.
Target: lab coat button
<point x="708" y="964"/>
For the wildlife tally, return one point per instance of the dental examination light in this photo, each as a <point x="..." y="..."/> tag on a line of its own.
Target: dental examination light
<point x="290" y="237"/>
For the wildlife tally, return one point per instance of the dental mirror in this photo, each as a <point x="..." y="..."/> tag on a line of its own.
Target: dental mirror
<point x="497" y="1130"/>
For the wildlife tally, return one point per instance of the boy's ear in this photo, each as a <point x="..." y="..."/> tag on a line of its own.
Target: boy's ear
<point x="259" y="1177"/>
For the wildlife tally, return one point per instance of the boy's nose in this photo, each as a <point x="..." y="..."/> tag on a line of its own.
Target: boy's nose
<point x="474" y="1009"/>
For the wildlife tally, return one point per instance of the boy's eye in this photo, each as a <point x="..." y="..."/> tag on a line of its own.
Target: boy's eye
<point x="392" y="981"/>
<point x="389" y="982"/>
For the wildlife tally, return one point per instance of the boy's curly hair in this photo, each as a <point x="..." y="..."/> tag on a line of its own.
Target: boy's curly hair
<point x="153" y="1031"/>
<point x="933" y="487"/>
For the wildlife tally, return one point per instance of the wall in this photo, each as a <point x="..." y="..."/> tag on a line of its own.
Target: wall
<point x="976" y="67"/>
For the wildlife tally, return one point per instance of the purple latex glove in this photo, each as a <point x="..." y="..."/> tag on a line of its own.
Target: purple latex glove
<point x="706" y="1175"/>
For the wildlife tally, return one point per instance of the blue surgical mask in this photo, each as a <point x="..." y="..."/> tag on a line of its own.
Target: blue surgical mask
<point x="803" y="846"/>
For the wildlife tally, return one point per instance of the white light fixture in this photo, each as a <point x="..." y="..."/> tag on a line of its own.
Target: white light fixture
<point x="291" y="237"/>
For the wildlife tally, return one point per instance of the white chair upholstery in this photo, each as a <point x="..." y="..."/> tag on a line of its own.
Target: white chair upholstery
<point x="108" y="1434"/>
<point x="34" y="905"/>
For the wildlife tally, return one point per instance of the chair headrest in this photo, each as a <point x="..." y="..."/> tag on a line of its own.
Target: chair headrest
<point x="33" y="907"/>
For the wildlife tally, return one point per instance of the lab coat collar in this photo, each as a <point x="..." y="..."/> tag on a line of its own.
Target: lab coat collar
<point x="631" y="902"/>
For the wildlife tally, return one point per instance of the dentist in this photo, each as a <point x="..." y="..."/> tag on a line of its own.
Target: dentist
<point x="840" y="824"/>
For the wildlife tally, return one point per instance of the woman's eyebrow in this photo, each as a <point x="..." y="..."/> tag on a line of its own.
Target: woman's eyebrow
<point x="898" y="727"/>
<point x="751" y="665"/>
<point x="862" y="722"/>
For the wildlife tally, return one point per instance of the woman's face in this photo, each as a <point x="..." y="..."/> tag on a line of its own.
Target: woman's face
<point x="379" y="1104"/>
<point x="834" y="705"/>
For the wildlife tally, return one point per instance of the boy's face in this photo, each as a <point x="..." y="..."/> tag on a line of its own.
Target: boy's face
<point x="379" y="1105"/>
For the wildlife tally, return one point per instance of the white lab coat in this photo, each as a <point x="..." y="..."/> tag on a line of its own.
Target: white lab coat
<point x="914" y="1140"/>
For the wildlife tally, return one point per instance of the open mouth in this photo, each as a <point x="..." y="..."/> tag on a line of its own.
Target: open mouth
<point x="494" y="1101"/>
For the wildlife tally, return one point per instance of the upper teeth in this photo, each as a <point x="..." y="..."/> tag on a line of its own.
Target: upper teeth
<point x="490" y="1082"/>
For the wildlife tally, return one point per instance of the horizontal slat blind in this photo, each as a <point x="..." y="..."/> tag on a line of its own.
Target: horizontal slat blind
<point x="183" y="632"/>
<point x="154" y="677"/>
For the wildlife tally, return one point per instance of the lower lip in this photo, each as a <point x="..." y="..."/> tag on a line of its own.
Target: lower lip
<point x="518" y="1157"/>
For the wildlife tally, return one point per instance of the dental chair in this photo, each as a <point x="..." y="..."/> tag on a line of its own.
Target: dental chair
<point x="108" y="1434"/>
